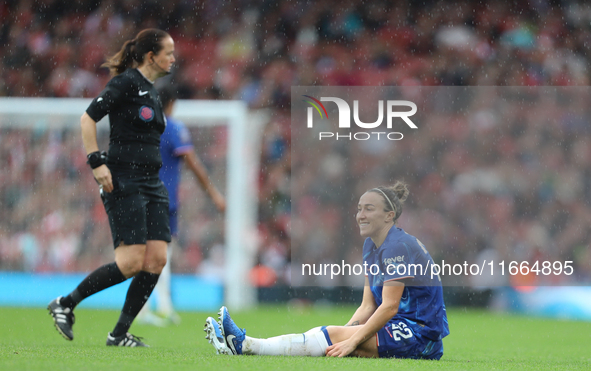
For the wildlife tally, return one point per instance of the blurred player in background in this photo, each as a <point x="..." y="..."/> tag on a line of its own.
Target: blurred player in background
<point x="402" y="313"/>
<point x="135" y="199"/>
<point x="176" y="147"/>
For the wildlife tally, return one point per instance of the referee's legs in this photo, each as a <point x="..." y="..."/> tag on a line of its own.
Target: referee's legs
<point x="144" y="263"/>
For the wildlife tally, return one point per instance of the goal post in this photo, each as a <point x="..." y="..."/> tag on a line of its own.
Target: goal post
<point x="242" y="161"/>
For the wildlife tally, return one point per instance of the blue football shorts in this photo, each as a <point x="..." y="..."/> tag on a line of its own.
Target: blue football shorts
<point x="401" y="338"/>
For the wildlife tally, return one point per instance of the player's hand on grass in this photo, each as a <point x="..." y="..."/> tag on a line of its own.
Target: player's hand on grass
<point x="102" y="174"/>
<point x="342" y="349"/>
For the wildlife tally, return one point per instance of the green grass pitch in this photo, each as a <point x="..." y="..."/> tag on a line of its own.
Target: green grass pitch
<point x="479" y="340"/>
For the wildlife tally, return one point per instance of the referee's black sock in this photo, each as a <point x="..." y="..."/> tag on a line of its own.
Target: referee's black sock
<point x="138" y="293"/>
<point x="102" y="278"/>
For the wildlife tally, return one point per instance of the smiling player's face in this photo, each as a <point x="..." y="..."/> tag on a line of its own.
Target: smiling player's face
<point x="371" y="217"/>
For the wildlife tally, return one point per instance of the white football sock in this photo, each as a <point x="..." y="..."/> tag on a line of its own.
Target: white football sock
<point x="311" y="343"/>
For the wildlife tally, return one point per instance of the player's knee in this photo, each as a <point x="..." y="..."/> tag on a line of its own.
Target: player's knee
<point x="313" y="330"/>
<point x="160" y="262"/>
<point x="336" y="333"/>
<point x="155" y="263"/>
<point x="130" y="266"/>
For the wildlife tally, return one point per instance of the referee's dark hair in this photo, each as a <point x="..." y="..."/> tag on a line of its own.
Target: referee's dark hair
<point x="133" y="51"/>
<point x="167" y="96"/>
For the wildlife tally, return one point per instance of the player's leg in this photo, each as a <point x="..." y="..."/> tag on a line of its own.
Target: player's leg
<point x="161" y="294"/>
<point x="158" y="218"/>
<point x="367" y="349"/>
<point x="100" y="279"/>
<point x="152" y="257"/>
<point x="151" y="226"/>
<point x="104" y="277"/>
<point x="164" y="302"/>
<point x="130" y="258"/>
<point x="62" y="308"/>
<point x="311" y="343"/>
<point x="155" y="257"/>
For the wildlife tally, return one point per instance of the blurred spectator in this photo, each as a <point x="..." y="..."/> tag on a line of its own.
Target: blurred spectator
<point x="527" y="189"/>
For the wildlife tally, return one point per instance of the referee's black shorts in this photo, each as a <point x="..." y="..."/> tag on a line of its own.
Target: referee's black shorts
<point x="137" y="211"/>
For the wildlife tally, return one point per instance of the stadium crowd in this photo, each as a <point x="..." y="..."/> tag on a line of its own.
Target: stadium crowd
<point x="475" y="186"/>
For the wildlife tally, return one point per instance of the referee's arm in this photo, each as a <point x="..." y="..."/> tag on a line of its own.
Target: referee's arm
<point x="102" y="174"/>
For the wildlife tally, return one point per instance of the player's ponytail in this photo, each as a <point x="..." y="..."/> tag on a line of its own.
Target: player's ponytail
<point x="401" y="191"/>
<point x="122" y="60"/>
<point x="133" y="51"/>
<point x="394" y="196"/>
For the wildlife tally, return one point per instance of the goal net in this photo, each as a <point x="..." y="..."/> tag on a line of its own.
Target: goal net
<point x="53" y="219"/>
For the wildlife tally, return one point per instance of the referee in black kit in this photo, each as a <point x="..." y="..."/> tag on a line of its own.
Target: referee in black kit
<point x="135" y="199"/>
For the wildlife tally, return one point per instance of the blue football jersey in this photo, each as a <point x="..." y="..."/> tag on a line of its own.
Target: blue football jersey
<point x="175" y="141"/>
<point x="403" y="257"/>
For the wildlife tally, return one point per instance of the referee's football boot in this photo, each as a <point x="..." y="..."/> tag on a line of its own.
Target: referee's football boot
<point x="63" y="318"/>
<point x="126" y="340"/>
<point x="215" y="337"/>
<point x="233" y="335"/>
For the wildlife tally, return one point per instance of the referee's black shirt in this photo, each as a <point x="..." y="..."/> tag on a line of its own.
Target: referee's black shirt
<point x="136" y="122"/>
